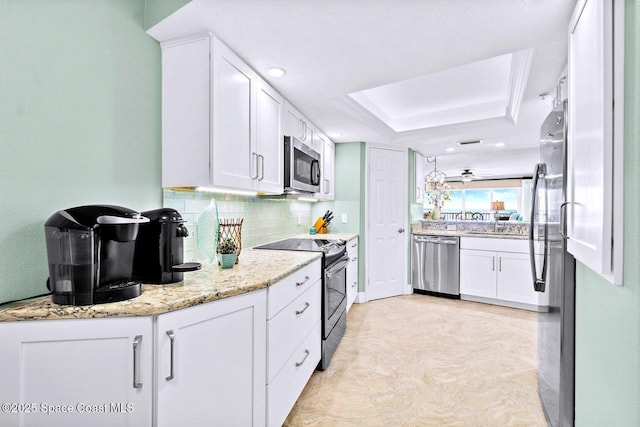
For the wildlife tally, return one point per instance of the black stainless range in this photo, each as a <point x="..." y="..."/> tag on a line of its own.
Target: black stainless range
<point x="334" y="288"/>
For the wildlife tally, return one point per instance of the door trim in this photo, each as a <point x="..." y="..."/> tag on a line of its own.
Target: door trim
<point x="405" y="204"/>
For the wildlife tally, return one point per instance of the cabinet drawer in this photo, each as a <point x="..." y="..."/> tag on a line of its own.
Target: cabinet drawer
<point x="284" y="390"/>
<point x="289" y="288"/>
<point x="290" y="326"/>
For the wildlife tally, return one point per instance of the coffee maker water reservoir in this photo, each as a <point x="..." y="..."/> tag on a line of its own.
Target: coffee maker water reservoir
<point x="90" y="250"/>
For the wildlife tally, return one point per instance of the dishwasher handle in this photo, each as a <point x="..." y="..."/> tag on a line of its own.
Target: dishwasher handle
<point x="435" y="240"/>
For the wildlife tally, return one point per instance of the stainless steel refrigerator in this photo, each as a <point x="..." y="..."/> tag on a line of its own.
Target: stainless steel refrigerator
<point x="553" y="269"/>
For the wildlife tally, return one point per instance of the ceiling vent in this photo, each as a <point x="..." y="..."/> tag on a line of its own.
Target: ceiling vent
<point x="477" y="141"/>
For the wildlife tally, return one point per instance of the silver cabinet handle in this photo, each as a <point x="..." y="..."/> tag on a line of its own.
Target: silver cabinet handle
<point x="303" y="130"/>
<point x="354" y="259"/>
<point x="355" y="245"/>
<point x="299" y="312"/>
<point x="493" y="263"/>
<point x="255" y="158"/>
<point x="306" y="279"/>
<point x="500" y="264"/>
<point x="171" y="337"/>
<point x="136" y="362"/>
<point x="261" y="162"/>
<point x="306" y="354"/>
<point x="354" y="284"/>
<point x="400" y="230"/>
<point x="327" y="186"/>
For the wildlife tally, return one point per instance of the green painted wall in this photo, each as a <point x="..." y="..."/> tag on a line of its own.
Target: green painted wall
<point x="608" y="316"/>
<point x="349" y="197"/>
<point x="157" y="10"/>
<point x="79" y="121"/>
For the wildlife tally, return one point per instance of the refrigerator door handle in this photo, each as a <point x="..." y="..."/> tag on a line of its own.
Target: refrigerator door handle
<point x="563" y="223"/>
<point x="538" y="280"/>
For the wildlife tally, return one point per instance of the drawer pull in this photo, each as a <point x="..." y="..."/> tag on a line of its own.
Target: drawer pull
<point x="299" y="312"/>
<point x="354" y="284"/>
<point x="306" y="354"/>
<point x="171" y="336"/>
<point x="136" y="361"/>
<point x="306" y="279"/>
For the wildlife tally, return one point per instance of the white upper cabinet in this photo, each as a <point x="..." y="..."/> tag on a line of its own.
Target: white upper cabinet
<point x="269" y="153"/>
<point x="296" y="125"/>
<point x="233" y="146"/>
<point x="222" y="125"/>
<point x="327" y="150"/>
<point x="595" y="136"/>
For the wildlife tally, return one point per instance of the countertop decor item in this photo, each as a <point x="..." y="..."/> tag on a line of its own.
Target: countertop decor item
<point x="227" y="255"/>
<point x="207" y="232"/>
<point x="230" y="228"/>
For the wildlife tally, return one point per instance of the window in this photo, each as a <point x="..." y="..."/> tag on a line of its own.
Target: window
<point x="478" y="197"/>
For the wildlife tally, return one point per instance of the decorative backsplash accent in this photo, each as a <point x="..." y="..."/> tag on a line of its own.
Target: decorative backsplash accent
<point x="265" y="218"/>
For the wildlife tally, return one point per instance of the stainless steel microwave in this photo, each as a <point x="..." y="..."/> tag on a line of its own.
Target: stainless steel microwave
<point x="301" y="167"/>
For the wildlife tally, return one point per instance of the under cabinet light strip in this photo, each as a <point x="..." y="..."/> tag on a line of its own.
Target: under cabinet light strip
<point x="226" y="191"/>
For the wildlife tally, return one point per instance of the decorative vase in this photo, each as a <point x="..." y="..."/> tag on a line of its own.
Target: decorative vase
<point x="436" y="213"/>
<point x="227" y="260"/>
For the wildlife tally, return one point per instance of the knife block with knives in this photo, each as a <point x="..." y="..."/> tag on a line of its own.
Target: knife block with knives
<point x="322" y="223"/>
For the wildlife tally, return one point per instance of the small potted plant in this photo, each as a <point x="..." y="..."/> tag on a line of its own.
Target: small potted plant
<point x="227" y="252"/>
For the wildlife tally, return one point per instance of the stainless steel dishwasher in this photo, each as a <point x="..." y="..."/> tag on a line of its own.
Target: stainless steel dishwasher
<point x="435" y="265"/>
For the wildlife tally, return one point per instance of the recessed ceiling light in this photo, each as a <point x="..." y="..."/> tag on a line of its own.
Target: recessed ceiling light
<point x="450" y="149"/>
<point x="499" y="144"/>
<point x="277" y="72"/>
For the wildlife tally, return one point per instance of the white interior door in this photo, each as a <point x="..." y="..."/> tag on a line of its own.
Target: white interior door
<point x="387" y="200"/>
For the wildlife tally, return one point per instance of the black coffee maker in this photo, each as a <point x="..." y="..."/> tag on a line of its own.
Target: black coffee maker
<point x="159" y="252"/>
<point x="90" y="254"/>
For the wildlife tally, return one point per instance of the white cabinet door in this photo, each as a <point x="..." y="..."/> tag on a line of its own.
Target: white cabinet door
<point x="269" y="154"/>
<point x="296" y="125"/>
<point x="327" y="187"/>
<point x="418" y="177"/>
<point x="210" y="363"/>
<point x="91" y="372"/>
<point x="293" y="122"/>
<point x="595" y="136"/>
<point x="352" y="272"/>
<point x="514" y="278"/>
<point x="186" y="113"/>
<point x="478" y="273"/>
<point x="233" y="110"/>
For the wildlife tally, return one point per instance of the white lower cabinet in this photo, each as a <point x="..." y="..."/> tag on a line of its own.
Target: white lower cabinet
<point x="352" y="272"/>
<point x="210" y="362"/>
<point x="498" y="271"/>
<point x="285" y="389"/>
<point x="293" y="339"/>
<point x="89" y="372"/>
<point x="207" y="365"/>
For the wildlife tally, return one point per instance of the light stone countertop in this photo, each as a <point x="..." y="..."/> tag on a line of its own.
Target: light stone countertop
<point x="256" y="269"/>
<point x="518" y="231"/>
<point x="481" y="235"/>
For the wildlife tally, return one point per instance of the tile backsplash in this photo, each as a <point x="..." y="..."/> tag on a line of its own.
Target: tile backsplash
<point x="265" y="218"/>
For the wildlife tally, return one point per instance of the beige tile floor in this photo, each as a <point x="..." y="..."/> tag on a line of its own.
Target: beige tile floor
<point x="417" y="360"/>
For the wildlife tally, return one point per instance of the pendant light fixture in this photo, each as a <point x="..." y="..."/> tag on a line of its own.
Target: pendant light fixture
<point x="436" y="179"/>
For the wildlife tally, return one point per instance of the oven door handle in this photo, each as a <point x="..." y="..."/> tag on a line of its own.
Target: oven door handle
<point x="336" y="267"/>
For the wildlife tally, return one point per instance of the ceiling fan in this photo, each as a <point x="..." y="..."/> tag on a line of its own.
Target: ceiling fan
<point x="467" y="175"/>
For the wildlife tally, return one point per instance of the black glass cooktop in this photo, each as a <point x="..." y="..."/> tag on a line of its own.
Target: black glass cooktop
<point x="332" y="249"/>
